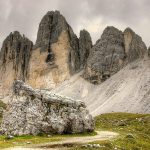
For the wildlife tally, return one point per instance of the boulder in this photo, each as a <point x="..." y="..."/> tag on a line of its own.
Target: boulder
<point x="33" y="111"/>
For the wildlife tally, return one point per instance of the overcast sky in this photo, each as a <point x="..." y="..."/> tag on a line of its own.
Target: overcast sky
<point x="93" y="15"/>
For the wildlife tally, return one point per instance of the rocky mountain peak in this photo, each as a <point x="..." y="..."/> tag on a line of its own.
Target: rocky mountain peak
<point x="112" y="52"/>
<point x="16" y="49"/>
<point x="128" y="29"/>
<point x="14" y="59"/>
<point x="56" y="52"/>
<point x="85" y="44"/>
<point x="50" y="27"/>
<point x="110" y="30"/>
<point x="106" y="56"/>
<point x="134" y="46"/>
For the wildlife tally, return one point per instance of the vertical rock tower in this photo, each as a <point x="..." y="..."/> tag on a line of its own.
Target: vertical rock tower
<point x="134" y="46"/>
<point x="14" y="59"/>
<point x="85" y="44"/>
<point x="56" y="53"/>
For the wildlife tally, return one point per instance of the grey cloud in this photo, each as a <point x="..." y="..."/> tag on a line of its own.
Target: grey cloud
<point x="25" y="15"/>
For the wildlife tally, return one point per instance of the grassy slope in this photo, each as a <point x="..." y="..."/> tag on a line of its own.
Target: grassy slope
<point x="24" y="140"/>
<point x="134" y="131"/>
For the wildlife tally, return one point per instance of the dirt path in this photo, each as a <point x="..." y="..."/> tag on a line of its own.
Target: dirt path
<point x="101" y="135"/>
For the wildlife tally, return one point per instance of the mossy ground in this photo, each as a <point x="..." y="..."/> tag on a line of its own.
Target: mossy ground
<point x="134" y="130"/>
<point x="2" y="104"/>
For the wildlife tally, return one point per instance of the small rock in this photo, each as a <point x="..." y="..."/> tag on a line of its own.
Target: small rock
<point x="28" y="142"/>
<point x="89" y="145"/>
<point x="139" y="119"/>
<point x="96" y="145"/>
<point x="9" y="137"/>
<point x="84" y="146"/>
<point x="130" y="136"/>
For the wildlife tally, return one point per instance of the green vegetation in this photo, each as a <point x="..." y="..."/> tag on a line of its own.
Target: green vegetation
<point x="2" y="106"/>
<point x="134" y="130"/>
<point x="25" y="140"/>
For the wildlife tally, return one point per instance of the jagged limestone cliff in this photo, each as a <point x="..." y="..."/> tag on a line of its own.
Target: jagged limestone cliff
<point x="85" y="44"/>
<point x="134" y="46"/>
<point x="56" y="54"/>
<point x="14" y="60"/>
<point x="112" y="52"/>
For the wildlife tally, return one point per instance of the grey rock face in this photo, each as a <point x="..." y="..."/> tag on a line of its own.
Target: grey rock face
<point x="16" y="48"/>
<point x="149" y="51"/>
<point x="106" y="56"/>
<point x="134" y="46"/>
<point x="85" y="44"/>
<point x="39" y="111"/>
<point x="50" y="28"/>
<point x="112" y="52"/>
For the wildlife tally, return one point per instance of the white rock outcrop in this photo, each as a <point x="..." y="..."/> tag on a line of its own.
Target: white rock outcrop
<point x="39" y="111"/>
